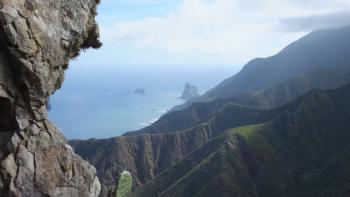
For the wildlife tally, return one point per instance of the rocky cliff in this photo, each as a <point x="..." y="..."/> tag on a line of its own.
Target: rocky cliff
<point x="38" y="38"/>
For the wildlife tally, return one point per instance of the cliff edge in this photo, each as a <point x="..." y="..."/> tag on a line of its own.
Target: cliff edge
<point x="37" y="40"/>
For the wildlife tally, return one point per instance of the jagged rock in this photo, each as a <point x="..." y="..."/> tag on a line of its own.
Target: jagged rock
<point x="37" y="40"/>
<point x="189" y="92"/>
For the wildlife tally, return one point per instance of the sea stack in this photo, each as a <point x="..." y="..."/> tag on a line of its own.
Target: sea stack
<point x="189" y="92"/>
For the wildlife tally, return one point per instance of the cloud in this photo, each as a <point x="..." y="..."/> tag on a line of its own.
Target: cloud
<point x="307" y="23"/>
<point x="213" y="32"/>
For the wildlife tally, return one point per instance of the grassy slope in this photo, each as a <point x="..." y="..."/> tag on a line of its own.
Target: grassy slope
<point x="302" y="152"/>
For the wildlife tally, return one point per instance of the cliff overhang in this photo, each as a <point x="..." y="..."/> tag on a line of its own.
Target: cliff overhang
<point x="37" y="40"/>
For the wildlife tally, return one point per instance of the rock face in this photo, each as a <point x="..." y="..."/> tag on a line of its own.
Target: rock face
<point x="38" y="38"/>
<point x="189" y="92"/>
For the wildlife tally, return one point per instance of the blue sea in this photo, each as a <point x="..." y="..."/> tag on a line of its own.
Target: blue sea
<point x="99" y="102"/>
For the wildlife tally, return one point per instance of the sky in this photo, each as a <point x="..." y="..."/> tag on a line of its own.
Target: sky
<point x="182" y="33"/>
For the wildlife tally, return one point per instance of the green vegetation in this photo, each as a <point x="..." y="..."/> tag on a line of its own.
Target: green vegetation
<point x="301" y="151"/>
<point x="124" y="185"/>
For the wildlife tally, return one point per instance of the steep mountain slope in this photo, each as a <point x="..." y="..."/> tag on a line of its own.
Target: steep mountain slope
<point x="145" y="156"/>
<point x="148" y="155"/>
<point x="322" y="48"/>
<point x="278" y="94"/>
<point x="303" y="151"/>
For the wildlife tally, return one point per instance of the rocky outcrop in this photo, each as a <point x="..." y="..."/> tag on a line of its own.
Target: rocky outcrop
<point x="190" y="92"/>
<point x="37" y="40"/>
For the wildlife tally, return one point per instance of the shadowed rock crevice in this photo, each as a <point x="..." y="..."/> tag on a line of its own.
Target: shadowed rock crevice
<point x="7" y="121"/>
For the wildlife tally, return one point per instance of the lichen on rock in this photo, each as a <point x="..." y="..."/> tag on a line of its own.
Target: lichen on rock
<point x="37" y="40"/>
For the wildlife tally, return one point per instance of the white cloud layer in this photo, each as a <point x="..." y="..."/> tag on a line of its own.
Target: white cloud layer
<point x="218" y="32"/>
<point x="306" y="23"/>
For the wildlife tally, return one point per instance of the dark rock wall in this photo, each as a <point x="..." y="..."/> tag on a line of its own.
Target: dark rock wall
<point x="37" y="40"/>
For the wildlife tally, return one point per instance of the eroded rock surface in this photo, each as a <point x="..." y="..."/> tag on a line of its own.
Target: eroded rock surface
<point x="37" y="40"/>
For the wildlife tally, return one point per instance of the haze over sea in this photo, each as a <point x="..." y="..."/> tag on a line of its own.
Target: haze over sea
<point x="98" y="102"/>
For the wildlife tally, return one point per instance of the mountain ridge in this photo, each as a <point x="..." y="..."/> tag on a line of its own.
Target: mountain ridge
<point x="327" y="47"/>
<point x="269" y="152"/>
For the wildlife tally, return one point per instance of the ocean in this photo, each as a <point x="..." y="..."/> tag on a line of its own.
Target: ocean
<point x="99" y="102"/>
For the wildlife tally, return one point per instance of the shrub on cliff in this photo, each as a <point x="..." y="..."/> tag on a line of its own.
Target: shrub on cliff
<point x="123" y="187"/>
